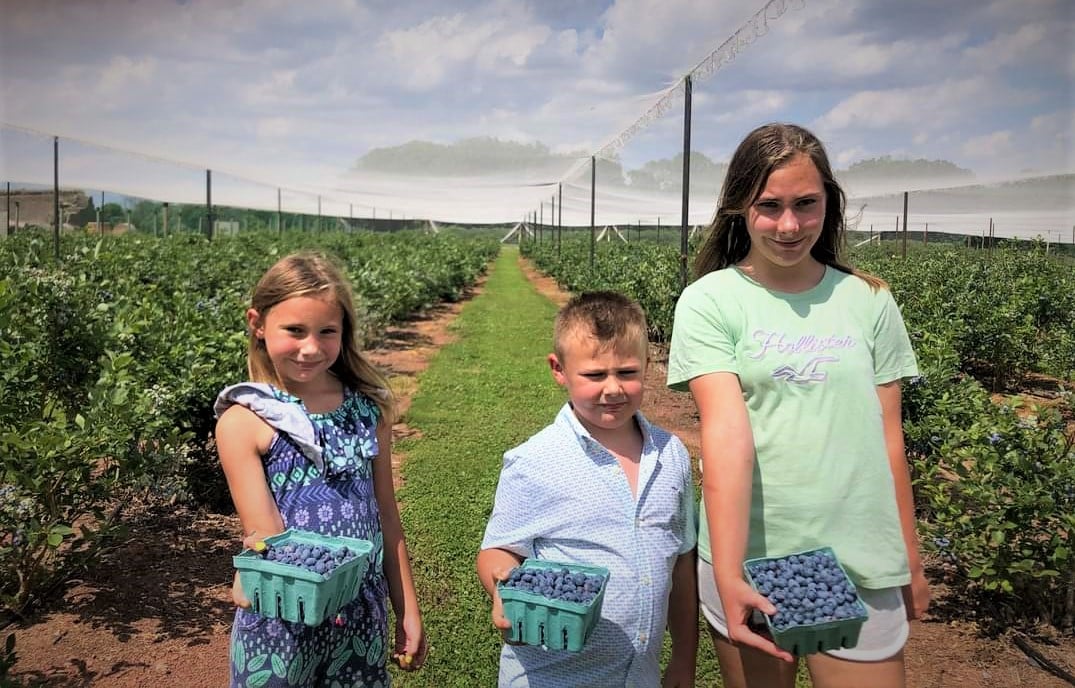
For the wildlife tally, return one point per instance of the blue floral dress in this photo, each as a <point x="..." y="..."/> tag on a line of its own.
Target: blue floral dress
<point x="349" y="649"/>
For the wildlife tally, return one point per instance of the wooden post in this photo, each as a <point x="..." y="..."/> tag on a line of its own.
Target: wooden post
<point x="165" y="219"/>
<point x="925" y="235"/>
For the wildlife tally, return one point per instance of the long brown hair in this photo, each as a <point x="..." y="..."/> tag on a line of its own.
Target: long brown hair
<point x="765" y="149"/>
<point x="315" y="275"/>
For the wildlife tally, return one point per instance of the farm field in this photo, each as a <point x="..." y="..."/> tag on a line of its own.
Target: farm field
<point x="157" y="609"/>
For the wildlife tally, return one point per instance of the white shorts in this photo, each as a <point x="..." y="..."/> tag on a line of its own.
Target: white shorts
<point x="883" y="634"/>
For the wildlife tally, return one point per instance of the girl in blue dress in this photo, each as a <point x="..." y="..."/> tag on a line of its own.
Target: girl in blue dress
<point x="306" y="444"/>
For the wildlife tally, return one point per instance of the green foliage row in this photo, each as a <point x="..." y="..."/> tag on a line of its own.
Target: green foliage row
<point x="994" y="481"/>
<point x="111" y="358"/>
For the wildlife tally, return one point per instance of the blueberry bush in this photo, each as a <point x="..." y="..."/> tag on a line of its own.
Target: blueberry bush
<point x="993" y="468"/>
<point x="110" y="360"/>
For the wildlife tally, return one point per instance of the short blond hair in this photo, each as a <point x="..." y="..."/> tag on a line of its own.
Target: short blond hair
<point x="607" y="316"/>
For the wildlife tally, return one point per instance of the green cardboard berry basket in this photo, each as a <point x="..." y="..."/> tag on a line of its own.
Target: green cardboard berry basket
<point x="555" y="624"/>
<point x="292" y="593"/>
<point x="804" y="639"/>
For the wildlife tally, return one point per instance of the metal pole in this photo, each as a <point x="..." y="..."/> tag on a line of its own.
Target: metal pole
<point x="279" y="213"/>
<point x="687" y="93"/>
<point x="658" y="229"/>
<point x="541" y="220"/>
<point x="165" y="222"/>
<point x="904" y="251"/>
<point x="56" y="194"/>
<point x="7" y="216"/>
<point x="209" y="203"/>
<point x="318" y="212"/>
<point x="925" y="235"/>
<point x="552" y="216"/>
<point x="560" y="222"/>
<point x="593" y="207"/>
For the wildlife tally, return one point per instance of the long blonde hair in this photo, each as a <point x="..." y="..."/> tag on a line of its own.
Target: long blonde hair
<point x="314" y="274"/>
<point x="765" y="149"/>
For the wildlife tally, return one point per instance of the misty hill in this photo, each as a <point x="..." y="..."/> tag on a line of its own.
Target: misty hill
<point x="485" y="156"/>
<point x="466" y="157"/>
<point x="887" y="167"/>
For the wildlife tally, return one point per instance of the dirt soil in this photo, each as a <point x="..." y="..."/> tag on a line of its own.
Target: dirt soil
<point x="158" y="609"/>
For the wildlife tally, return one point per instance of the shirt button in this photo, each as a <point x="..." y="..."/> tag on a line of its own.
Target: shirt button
<point x="645" y="580"/>
<point x="642" y="637"/>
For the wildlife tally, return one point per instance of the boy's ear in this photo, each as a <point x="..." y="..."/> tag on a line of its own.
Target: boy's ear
<point x="557" y="369"/>
<point x="253" y="322"/>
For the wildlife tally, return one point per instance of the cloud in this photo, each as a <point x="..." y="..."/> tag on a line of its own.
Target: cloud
<point x="429" y="54"/>
<point x="924" y="108"/>
<point x="1025" y="44"/>
<point x="274" y="88"/>
<point x="276" y="127"/>
<point x="850" y="155"/>
<point x="990" y="145"/>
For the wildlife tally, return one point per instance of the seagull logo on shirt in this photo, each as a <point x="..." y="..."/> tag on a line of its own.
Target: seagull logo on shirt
<point x="809" y="373"/>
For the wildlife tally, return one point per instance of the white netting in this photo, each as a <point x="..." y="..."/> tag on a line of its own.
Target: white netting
<point x="474" y="179"/>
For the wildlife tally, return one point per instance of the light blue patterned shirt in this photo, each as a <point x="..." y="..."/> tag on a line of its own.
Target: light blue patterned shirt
<point x="563" y="497"/>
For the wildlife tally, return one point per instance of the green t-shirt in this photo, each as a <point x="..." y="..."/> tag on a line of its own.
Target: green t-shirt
<point x="808" y="364"/>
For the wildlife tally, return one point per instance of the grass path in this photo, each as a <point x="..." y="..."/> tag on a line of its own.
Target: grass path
<point x="482" y="394"/>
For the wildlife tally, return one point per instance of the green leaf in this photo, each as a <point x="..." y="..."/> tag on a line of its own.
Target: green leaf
<point x="257" y="662"/>
<point x="278" y="666"/>
<point x="259" y="679"/>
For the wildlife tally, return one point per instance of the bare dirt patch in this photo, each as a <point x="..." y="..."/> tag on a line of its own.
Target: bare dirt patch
<point x="941" y="653"/>
<point x="157" y="610"/>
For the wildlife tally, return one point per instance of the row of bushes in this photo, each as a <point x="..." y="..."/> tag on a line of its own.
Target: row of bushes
<point x="110" y="360"/>
<point x="994" y="475"/>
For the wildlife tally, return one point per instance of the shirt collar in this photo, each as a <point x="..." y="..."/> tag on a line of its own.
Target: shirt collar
<point x="567" y="418"/>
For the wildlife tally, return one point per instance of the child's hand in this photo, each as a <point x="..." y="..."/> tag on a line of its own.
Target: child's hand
<point x="237" y="595"/>
<point x="739" y="600"/>
<point x="501" y="622"/>
<point x="250" y="541"/>
<point x="411" y="646"/>
<point x="916" y="596"/>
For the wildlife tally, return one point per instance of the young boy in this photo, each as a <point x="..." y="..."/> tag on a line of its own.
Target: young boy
<point x="601" y="486"/>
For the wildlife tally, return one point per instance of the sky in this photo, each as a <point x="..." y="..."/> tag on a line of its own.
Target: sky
<point x="293" y="94"/>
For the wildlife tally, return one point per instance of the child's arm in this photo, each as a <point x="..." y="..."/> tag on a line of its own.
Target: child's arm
<point x="727" y="477"/>
<point x="916" y="595"/>
<point x="410" y="642"/>
<point x="493" y="565"/>
<point x="683" y="623"/>
<point x="242" y="438"/>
